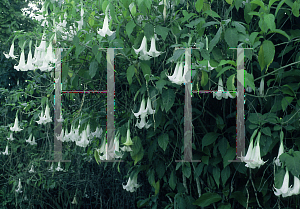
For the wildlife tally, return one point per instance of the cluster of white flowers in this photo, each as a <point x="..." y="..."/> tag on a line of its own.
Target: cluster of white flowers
<point x="221" y="94"/>
<point x="45" y="118"/>
<point x="132" y="184"/>
<point x="285" y="190"/>
<point x="143" y="113"/>
<point x="31" y="141"/>
<point x="143" y="50"/>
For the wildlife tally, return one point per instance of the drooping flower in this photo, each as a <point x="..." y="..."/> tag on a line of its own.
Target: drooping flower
<point x="149" y="108"/>
<point x="61" y="136"/>
<point x="143" y="50"/>
<point x="153" y="52"/>
<point x="97" y="133"/>
<point x="142" y="123"/>
<point x="285" y="186"/>
<point x="295" y="190"/>
<point x="248" y="156"/>
<point x="84" y="141"/>
<point x="280" y="151"/>
<point x="105" y="30"/>
<point x="74" y="202"/>
<point x="58" y="167"/>
<point x="31" y="142"/>
<point x="132" y="184"/>
<point x="51" y="168"/>
<point x="22" y="66"/>
<point x="50" y="55"/>
<point x="45" y="118"/>
<point x="29" y="64"/>
<point x="11" y="52"/>
<point x="128" y="139"/>
<point x="31" y="169"/>
<point x="219" y="94"/>
<point x="6" y="151"/>
<point x="10" y="137"/>
<point x="16" y="125"/>
<point x="177" y="77"/>
<point x="142" y="111"/>
<point x="18" y="190"/>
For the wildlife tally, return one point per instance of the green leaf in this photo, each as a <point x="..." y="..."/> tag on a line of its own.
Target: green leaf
<point x="295" y="9"/>
<point x="223" y="206"/>
<point x="163" y="141"/>
<point x="149" y="31"/>
<point x="204" y="78"/>
<point x="230" y="84"/>
<point x="172" y="180"/>
<point x="137" y="152"/>
<point x="239" y="27"/>
<point x="187" y="16"/>
<point x="160" y="84"/>
<point x="162" y="31"/>
<point x="222" y="146"/>
<point x="129" y="27"/>
<point x="230" y="155"/>
<point x="249" y="80"/>
<point x="130" y="73"/>
<point x="260" y="3"/>
<point x="225" y="174"/>
<point x="199" y="5"/>
<point x="93" y="68"/>
<point x="229" y="1"/>
<point x="267" y="131"/>
<point x="280" y="32"/>
<point x="292" y="162"/>
<point x="216" y="175"/>
<point x="231" y="37"/>
<point x="209" y="138"/>
<point x="215" y="40"/>
<point x="279" y="176"/>
<point x="207" y="199"/>
<point x="145" y="68"/>
<point x="285" y="102"/>
<point x="270" y="20"/>
<point x="198" y="170"/>
<point x="186" y="170"/>
<point x="168" y="98"/>
<point x="266" y="54"/>
<point x="211" y="13"/>
<point x="271" y="2"/>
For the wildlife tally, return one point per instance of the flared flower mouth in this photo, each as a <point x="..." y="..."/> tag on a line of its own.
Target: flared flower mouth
<point x="177" y="77"/>
<point x="128" y="139"/>
<point x="16" y="127"/>
<point x="105" y="30"/>
<point x="153" y="52"/>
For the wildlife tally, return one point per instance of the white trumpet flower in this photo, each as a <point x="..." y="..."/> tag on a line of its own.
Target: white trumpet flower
<point x="31" y="142"/>
<point x="128" y="139"/>
<point x="143" y="50"/>
<point x="6" y="151"/>
<point x="219" y="94"/>
<point x="177" y="77"/>
<point x="255" y="156"/>
<point x="142" y="123"/>
<point x="142" y="111"/>
<point x="105" y="30"/>
<point x="131" y="185"/>
<point x="29" y="64"/>
<point x="31" y="169"/>
<point x="11" y="52"/>
<point x="285" y="186"/>
<point x="18" y="190"/>
<point x="153" y="52"/>
<point x="58" y="167"/>
<point x="11" y="138"/>
<point x="280" y="151"/>
<point x="16" y="125"/>
<point x="149" y="108"/>
<point x="84" y="141"/>
<point x="22" y="66"/>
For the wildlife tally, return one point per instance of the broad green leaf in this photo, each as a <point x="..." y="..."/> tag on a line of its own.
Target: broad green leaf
<point x="187" y="16"/>
<point x="211" y="13"/>
<point x="249" y="80"/>
<point x="240" y="197"/>
<point x="225" y="206"/>
<point x="199" y="5"/>
<point x="209" y="138"/>
<point x="225" y="174"/>
<point x="279" y="6"/>
<point x="204" y="78"/>
<point x="292" y="162"/>
<point x="215" y="40"/>
<point x="260" y="3"/>
<point x="130" y="73"/>
<point x="240" y="28"/>
<point x="285" y="102"/>
<point x="295" y="9"/>
<point x="286" y="89"/>
<point x="162" y="31"/>
<point x="198" y="170"/>
<point x="279" y="176"/>
<point x="231" y="37"/>
<point x="168" y="98"/>
<point x="222" y="146"/>
<point x="216" y="175"/>
<point x="267" y="131"/>
<point x="104" y="5"/>
<point x="172" y="180"/>
<point x="270" y="20"/>
<point x="271" y="2"/>
<point x="149" y="31"/>
<point x="163" y="141"/>
<point x="207" y="199"/>
<point x="137" y="152"/>
<point x="145" y="68"/>
<point x="93" y="68"/>
<point x="280" y="32"/>
<point x="148" y="3"/>
<point x="205" y="159"/>
<point x="160" y="84"/>
<point x="230" y="155"/>
<point x="129" y="27"/>
<point x="229" y="1"/>
<point x="186" y="170"/>
<point x="230" y="84"/>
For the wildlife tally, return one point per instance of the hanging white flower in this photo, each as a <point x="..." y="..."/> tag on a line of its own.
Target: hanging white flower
<point x="31" y="142"/>
<point x="128" y="139"/>
<point x="16" y="125"/>
<point x="132" y="184"/>
<point x="22" y="66"/>
<point x="142" y="123"/>
<point x="149" y="108"/>
<point x="10" y="137"/>
<point x="261" y="87"/>
<point x="143" y="50"/>
<point x="97" y="133"/>
<point x="218" y="94"/>
<point x="31" y="169"/>
<point x="58" y="167"/>
<point x="142" y="111"/>
<point x="51" y="168"/>
<point x="153" y="52"/>
<point x="285" y="186"/>
<point x="280" y="151"/>
<point x="11" y="52"/>
<point x="177" y="77"/>
<point x="84" y="141"/>
<point x="18" y="190"/>
<point x="105" y="30"/>
<point x="74" y="202"/>
<point x="6" y="151"/>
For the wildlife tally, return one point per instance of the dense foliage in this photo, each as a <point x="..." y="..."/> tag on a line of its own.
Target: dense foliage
<point x="271" y="28"/>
